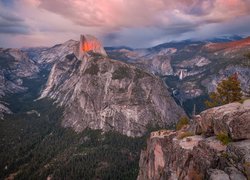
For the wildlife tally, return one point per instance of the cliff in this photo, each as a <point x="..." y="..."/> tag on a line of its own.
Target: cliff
<point x="15" y="67"/>
<point x="89" y="43"/>
<point x="215" y="146"/>
<point x="99" y="93"/>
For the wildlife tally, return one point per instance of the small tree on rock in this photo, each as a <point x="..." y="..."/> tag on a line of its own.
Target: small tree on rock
<point x="228" y="90"/>
<point x="248" y="92"/>
<point x="247" y="55"/>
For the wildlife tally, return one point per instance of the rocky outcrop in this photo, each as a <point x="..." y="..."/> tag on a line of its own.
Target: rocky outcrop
<point x="15" y="66"/>
<point x="188" y="154"/>
<point x="4" y="109"/>
<point x="106" y="94"/>
<point x="49" y="56"/>
<point x="231" y="119"/>
<point x="90" y="43"/>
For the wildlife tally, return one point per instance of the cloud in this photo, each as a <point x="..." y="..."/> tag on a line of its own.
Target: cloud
<point x="119" y="19"/>
<point x="10" y="23"/>
<point x="134" y="13"/>
<point x="135" y="23"/>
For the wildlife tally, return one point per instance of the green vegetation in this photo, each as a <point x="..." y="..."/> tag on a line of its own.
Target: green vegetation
<point x="246" y="170"/>
<point x="228" y="91"/>
<point x="38" y="147"/>
<point x="248" y="92"/>
<point x="35" y="147"/>
<point x="140" y="74"/>
<point x="121" y="72"/>
<point x="6" y="61"/>
<point x="189" y="104"/>
<point x="247" y="55"/>
<point x="93" y="69"/>
<point x="223" y="138"/>
<point x="182" y="122"/>
<point x="185" y="134"/>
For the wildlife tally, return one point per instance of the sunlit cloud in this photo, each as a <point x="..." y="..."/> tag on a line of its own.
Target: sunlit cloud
<point x="134" y="23"/>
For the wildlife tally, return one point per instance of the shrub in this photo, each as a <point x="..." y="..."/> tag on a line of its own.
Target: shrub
<point x="182" y="122"/>
<point x="93" y="69"/>
<point x="228" y="91"/>
<point x="185" y="134"/>
<point x="223" y="138"/>
<point x="121" y="73"/>
<point x="241" y="101"/>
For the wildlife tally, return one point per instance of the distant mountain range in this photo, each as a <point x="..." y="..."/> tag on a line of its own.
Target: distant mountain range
<point x="198" y="62"/>
<point x="192" y="69"/>
<point x="70" y="110"/>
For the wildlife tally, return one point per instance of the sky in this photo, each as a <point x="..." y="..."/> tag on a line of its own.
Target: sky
<point x="134" y="23"/>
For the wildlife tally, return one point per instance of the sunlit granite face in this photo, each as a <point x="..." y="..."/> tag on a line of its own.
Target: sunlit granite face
<point x="89" y="43"/>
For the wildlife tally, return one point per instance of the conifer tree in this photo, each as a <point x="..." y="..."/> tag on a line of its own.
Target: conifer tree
<point x="248" y="92"/>
<point x="228" y="90"/>
<point x="247" y="55"/>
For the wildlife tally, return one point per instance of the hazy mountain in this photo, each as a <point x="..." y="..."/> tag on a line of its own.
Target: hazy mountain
<point x="192" y="69"/>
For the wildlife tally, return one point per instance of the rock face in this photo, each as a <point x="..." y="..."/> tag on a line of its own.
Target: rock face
<point x="231" y="119"/>
<point x="49" y="56"/>
<point x="106" y="94"/>
<point x="186" y="154"/>
<point x="90" y="43"/>
<point x="15" y="66"/>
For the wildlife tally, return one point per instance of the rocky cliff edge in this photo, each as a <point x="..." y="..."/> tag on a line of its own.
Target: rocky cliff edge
<point x="215" y="146"/>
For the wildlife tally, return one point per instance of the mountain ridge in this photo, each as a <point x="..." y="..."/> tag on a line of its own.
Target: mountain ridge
<point x="106" y="94"/>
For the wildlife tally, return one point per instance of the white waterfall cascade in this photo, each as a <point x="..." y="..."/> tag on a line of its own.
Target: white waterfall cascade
<point x="181" y="75"/>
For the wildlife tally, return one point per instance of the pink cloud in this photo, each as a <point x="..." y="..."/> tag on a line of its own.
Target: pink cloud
<point x="134" y="13"/>
<point x="119" y="20"/>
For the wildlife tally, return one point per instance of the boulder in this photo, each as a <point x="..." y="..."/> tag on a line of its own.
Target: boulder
<point x="232" y="119"/>
<point x="239" y="153"/>
<point x="234" y="174"/>
<point x="216" y="174"/>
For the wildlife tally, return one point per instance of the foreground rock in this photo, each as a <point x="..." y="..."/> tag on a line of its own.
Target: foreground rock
<point x="231" y="119"/>
<point x="101" y="93"/>
<point x="186" y="154"/>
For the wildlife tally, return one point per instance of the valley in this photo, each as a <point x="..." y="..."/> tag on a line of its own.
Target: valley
<point x="80" y="110"/>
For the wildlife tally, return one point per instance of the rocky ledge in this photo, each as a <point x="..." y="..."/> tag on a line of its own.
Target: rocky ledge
<point x="215" y="146"/>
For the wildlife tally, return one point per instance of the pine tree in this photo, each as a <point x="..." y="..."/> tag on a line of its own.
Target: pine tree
<point x="247" y="55"/>
<point x="228" y="90"/>
<point x="248" y="92"/>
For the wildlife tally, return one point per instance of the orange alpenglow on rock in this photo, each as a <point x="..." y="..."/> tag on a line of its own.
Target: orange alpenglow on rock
<point x="90" y="43"/>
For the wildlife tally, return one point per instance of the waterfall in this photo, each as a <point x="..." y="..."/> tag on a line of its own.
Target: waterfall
<point x="181" y="75"/>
